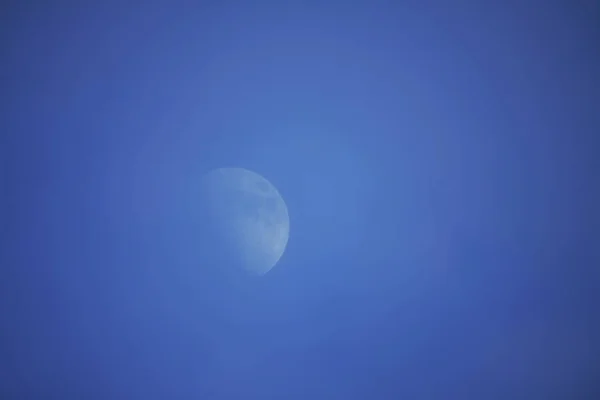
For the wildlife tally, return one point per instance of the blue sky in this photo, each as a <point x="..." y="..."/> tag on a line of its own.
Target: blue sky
<point x="437" y="162"/>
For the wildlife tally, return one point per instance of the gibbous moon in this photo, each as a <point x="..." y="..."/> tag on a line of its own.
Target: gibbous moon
<point x="251" y="216"/>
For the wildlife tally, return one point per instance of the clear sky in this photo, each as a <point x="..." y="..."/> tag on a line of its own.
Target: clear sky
<point x="437" y="162"/>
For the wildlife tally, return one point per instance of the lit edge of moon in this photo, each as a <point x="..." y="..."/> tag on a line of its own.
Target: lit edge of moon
<point x="252" y="213"/>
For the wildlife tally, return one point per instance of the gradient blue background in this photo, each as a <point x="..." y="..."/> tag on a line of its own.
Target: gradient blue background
<point x="437" y="159"/>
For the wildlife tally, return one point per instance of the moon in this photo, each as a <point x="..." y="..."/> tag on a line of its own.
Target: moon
<point x="250" y="215"/>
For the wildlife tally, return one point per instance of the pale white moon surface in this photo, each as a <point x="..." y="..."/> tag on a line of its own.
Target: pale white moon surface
<point x="251" y="215"/>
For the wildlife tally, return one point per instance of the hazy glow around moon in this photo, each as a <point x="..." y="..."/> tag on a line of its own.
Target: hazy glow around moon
<point x="252" y="215"/>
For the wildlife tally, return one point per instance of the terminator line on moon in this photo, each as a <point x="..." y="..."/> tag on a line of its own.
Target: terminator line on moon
<point x="250" y="214"/>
